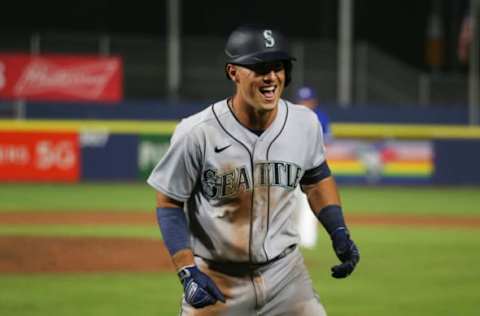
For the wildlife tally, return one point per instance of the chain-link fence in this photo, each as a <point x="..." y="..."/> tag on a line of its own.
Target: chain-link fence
<point x="378" y="77"/>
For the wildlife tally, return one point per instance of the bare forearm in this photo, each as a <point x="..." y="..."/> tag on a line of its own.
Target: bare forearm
<point x="322" y="194"/>
<point x="183" y="258"/>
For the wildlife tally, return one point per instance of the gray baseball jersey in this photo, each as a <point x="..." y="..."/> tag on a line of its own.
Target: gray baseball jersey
<point x="238" y="187"/>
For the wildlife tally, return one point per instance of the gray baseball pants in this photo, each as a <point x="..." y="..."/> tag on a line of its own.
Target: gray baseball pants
<point x="281" y="288"/>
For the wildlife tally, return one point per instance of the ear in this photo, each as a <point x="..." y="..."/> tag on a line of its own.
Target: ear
<point x="232" y="72"/>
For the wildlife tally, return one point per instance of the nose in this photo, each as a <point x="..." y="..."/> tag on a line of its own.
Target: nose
<point x="270" y="76"/>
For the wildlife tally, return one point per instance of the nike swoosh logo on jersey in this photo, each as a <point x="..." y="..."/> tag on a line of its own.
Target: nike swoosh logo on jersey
<point x="217" y="150"/>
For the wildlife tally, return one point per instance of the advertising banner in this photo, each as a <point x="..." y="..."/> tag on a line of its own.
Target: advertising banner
<point x="351" y="161"/>
<point x="37" y="157"/>
<point x="61" y="78"/>
<point x="382" y="161"/>
<point x="150" y="150"/>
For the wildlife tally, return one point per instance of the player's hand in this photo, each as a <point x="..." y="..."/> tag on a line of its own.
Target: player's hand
<point x="199" y="289"/>
<point x="346" y="251"/>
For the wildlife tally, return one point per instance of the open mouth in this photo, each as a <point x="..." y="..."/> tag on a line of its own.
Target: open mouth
<point x="268" y="92"/>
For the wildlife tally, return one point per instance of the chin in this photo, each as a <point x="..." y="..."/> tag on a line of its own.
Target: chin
<point x="268" y="102"/>
<point x="272" y="102"/>
<point x="269" y="106"/>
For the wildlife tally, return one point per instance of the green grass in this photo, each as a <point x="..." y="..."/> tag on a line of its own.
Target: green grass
<point x="140" y="197"/>
<point x="402" y="272"/>
<point x="75" y="197"/>
<point x="151" y="231"/>
<point x="411" y="200"/>
<point x="90" y="294"/>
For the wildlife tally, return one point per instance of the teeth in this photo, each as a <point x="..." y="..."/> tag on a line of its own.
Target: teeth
<point x="267" y="89"/>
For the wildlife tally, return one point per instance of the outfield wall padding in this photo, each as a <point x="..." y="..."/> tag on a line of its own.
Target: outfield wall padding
<point x="457" y="161"/>
<point x="109" y="157"/>
<point x="128" y="150"/>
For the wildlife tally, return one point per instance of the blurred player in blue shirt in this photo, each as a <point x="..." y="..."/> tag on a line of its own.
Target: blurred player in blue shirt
<point x="307" y="96"/>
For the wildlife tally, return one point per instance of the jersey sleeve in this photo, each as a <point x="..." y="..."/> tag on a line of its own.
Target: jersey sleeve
<point x="177" y="172"/>
<point x="316" y="164"/>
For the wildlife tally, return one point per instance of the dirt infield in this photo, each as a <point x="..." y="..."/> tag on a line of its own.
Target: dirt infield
<point x="22" y="254"/>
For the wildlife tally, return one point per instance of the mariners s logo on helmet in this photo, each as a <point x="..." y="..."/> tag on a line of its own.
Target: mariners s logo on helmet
<point x="269" y="40"/>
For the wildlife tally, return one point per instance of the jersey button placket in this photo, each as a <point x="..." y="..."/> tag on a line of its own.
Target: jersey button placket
<point x="259" y="211"/>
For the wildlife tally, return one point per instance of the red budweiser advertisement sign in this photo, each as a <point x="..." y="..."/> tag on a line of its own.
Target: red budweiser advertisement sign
<point x="61" y="78"/>
<point x="39" y="157"/>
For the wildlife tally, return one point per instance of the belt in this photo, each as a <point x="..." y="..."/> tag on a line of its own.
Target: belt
<point x="240" y="269"/>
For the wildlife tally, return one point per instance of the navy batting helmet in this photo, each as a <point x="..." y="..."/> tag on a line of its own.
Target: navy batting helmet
<point x="249" y="45"/>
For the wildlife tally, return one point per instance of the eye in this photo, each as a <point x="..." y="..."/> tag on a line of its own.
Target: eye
<point x="277" y="66"/>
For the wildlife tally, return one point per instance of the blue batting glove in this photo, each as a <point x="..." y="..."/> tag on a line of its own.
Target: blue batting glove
<point x="199" y="288"/>
<point x="346" y="251"/>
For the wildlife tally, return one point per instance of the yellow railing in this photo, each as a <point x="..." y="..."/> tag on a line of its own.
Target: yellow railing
<point x="406" y="131"/>
<point x="339" y="130"/>
<point x="110" y="126"/>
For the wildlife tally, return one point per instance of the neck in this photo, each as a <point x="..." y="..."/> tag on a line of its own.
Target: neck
<point x="250" y="116"/>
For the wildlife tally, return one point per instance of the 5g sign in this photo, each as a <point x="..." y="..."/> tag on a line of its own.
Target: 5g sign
<point x="39" y="156"/>
<point x="59" y="155"/>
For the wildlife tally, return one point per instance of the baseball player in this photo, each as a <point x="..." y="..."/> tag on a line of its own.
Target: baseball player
<point x="225" y="191"/>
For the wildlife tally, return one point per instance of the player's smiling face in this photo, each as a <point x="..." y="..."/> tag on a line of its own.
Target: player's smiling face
<point x="261" y="85"/>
